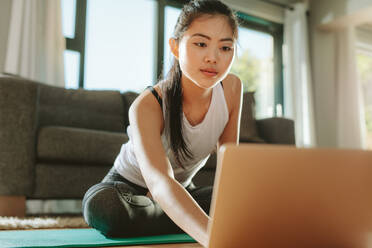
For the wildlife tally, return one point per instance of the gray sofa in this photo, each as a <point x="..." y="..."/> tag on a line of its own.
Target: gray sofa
<point x="56" y="142"/>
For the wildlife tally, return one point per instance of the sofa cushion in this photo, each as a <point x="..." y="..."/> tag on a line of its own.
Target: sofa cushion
<point x="277" y="130"/>
<point x="92" y="109"/>
<point x="248" y="128"/>
<point x="63" y="181"/>
<point x="77" y="145"/>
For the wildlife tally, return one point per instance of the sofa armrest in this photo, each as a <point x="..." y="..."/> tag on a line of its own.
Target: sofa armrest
<point x="276" y="130"/>
<point x="18" y="106"/>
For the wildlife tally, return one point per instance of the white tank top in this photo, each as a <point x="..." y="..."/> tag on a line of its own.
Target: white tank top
<point x="201" y="140"/>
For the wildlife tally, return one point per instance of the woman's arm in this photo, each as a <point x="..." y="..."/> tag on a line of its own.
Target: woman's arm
<point x="146" y="120"/>
<point x="233" y="89"/>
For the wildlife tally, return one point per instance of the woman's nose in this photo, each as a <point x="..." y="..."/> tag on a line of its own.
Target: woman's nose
<point x="211" y="57"/>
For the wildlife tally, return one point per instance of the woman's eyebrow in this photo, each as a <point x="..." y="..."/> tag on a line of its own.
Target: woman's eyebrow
<point x="209" y="38"/>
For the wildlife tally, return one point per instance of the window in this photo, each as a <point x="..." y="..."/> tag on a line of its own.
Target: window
<point x="255" y="67"/>
<point x="125" y="47"/>
<point x="71" y="58"/>
<point x="170" y="19"/>
<point x="68" y="15"/>
<point x="120" y="45"/>
<point x="71" y="62"/>
<point x="364" y="61"/>
<point x="259" y="63"/>
<point x="364" y="64"/>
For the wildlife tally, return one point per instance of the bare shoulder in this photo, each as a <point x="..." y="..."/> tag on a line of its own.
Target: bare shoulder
<point x="146" y="109"/>
<point x="233" y="89"/>
<point x="233" y="84"/>
<point x="147" y="101"/>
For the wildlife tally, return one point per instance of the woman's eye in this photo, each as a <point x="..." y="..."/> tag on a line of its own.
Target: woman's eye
<point x="200" y="44"/>
<point x="226" y="49"/>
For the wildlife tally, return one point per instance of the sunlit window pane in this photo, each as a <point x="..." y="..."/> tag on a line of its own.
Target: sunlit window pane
<point x="120" y="45"/>
<point x="72" y="61"/>
<point x="365" y="74"/>
<point x="255" y="67"/>
<point x="68" y="17"/>
<point x="171" y="15"/>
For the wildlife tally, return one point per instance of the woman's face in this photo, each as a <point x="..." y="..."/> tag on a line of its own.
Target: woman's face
<point x="206" y="50"/>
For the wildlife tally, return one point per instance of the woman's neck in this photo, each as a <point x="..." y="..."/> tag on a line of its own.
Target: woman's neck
<point x="193" y="94"/>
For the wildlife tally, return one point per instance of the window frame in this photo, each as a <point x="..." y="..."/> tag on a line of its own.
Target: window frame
<point x="77" y="43"/>
<point x="247" y="21"/>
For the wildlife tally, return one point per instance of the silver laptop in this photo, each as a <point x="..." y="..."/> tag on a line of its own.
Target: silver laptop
<point x="282" y="196"/>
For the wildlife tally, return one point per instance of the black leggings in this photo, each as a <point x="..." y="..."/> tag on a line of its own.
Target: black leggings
<point x="119" y="208"/>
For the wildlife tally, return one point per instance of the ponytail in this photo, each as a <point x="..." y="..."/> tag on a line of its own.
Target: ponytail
<point x="174" y="114"/>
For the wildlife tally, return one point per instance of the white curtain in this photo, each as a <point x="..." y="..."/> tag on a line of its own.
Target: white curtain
<point x="298" y="96"/>
<point x="351" y="130"/>
<point x="35" y="41"/>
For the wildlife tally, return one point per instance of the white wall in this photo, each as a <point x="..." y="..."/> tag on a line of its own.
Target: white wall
<point x="325" y="16"/>
<point x="5" y="7"/>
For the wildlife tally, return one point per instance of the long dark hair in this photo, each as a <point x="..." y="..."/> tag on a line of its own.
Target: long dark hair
<point x="173" y="88"/>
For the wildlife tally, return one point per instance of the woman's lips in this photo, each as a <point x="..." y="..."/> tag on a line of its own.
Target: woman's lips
<point x="209" y="73"/>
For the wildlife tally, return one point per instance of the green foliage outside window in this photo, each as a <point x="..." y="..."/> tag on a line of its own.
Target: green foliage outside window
<point x="247" y="67"/>
<point x="365" y="74"/>
<point x="369" y="120"/>
<point x="365" y="68"/>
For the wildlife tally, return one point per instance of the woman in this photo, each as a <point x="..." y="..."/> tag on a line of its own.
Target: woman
<point x="174" y="126"/>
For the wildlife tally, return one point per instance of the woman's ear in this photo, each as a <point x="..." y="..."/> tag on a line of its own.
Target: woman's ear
<point x="173" y="44"/>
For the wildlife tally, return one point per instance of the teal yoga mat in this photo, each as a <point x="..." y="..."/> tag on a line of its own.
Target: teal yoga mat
<point x="87" y="237"/>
